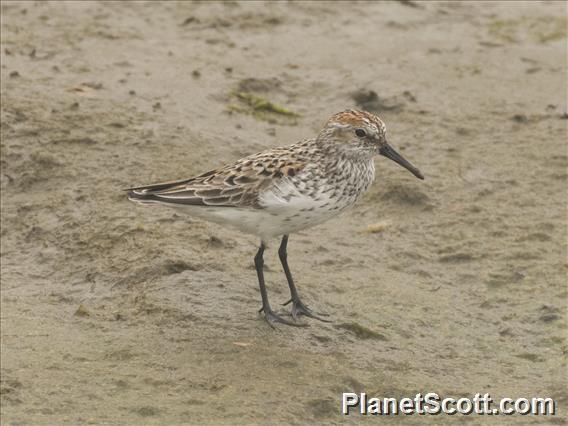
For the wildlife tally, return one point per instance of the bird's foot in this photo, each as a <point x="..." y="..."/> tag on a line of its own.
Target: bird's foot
<point x="298" y="309"/>
<point x="271" y="318"/>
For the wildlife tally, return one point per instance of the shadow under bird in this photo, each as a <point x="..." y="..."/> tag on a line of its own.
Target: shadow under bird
<point x="284" y="190"/>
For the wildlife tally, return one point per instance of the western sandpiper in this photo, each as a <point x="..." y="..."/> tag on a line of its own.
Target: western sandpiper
<point x="283" y="190"/>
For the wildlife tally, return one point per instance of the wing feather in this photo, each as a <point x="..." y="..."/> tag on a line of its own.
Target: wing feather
<point x="240" y="184"/>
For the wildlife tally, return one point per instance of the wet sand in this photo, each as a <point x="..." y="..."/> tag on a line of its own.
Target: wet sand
<point x="113" y="313"/>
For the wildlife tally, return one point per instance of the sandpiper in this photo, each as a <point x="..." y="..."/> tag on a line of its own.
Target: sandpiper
<point x="283" y="190"/>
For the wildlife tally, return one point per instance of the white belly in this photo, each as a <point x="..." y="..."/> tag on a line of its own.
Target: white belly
<point x="265" y="223"/>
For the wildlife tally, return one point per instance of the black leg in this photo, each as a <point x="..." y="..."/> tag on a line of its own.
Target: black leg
<point x="269" y="314"/>
<point x="298" y="307"/>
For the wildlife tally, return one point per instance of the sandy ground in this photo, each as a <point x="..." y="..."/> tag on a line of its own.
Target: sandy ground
<point x="114" y="313"/>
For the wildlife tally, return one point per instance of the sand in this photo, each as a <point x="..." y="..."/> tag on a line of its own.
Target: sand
<point x="114" y="313"/>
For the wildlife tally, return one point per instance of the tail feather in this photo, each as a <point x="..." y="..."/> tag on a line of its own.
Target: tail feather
<point x="158" y="186"/>
<point x="155" y="194"/>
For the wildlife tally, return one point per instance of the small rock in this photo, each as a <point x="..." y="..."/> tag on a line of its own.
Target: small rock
<point x="456" y="258"/>
<point x="409" y="96"/>
<point x="82" y="311"/>
<point x="520" y="118"/>
<point x="215" y="241"/>
<point x="410" y="3"/>
<point x="361" y="331"/>
<point x="146" y="411"/>
<point x="549" y="317"/>
<point x="118" y="316"/>
<point x="533" y="70"/>
<point x="189" y="20"/>
<point x="378" y="227"/>
<point x="370" y="101"/>
<point x="95" y="86"/>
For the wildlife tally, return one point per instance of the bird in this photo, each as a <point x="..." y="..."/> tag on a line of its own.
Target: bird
<point x="283" y="190"/>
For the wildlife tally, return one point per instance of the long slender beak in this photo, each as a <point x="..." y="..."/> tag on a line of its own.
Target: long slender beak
<point x="389" y="152"/>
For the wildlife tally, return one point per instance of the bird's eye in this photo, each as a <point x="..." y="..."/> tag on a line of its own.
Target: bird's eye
<point x="361" y="133"/>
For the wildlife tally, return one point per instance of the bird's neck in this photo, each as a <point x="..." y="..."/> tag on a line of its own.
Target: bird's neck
<point x="336" y="160"/>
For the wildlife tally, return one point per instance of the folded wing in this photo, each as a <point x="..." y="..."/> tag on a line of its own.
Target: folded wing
<point x="238" y="185"/>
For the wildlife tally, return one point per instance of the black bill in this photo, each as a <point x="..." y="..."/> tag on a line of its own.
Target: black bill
<point x="389" y="152"/>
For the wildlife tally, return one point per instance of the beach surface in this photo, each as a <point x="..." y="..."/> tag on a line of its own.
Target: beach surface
<point x="116" y="313"/>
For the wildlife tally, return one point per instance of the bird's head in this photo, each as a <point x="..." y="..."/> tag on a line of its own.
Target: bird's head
<point x="362" y="134"/>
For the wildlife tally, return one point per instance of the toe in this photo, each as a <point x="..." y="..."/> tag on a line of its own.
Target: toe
<point x="273" y="318"/>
